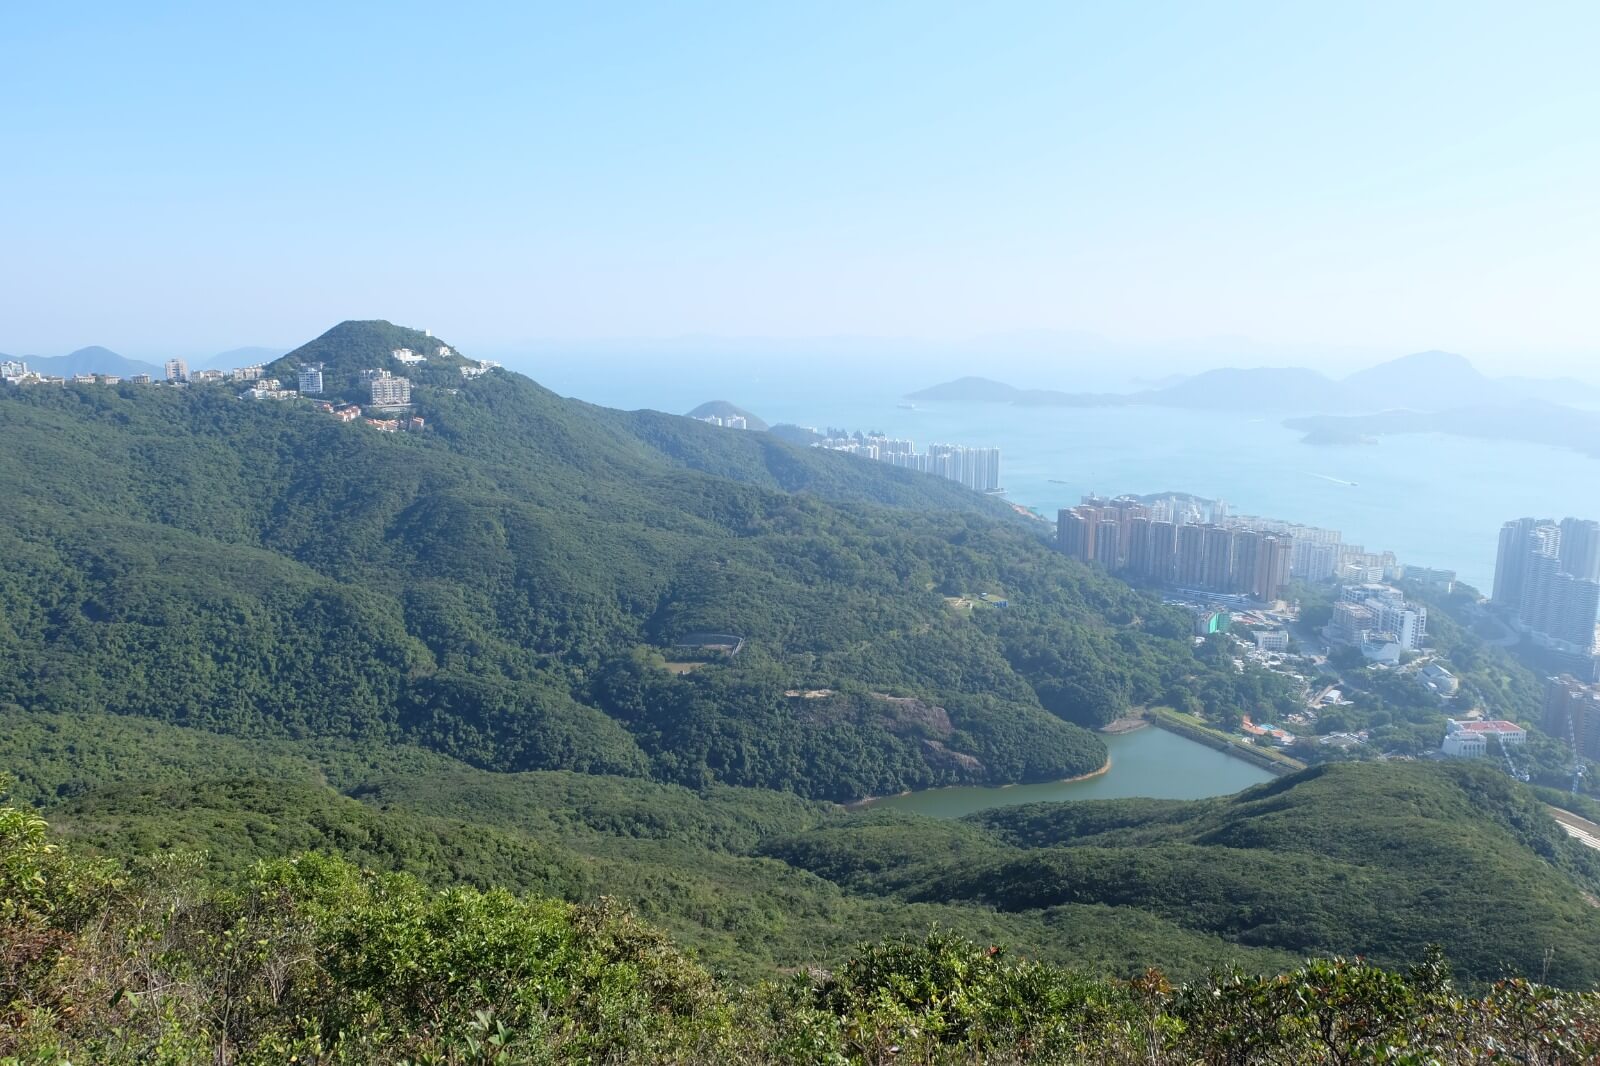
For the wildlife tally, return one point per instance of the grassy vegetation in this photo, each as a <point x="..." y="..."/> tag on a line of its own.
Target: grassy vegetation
<point x="311" y="959"/>
<point x="1380" y="859"/>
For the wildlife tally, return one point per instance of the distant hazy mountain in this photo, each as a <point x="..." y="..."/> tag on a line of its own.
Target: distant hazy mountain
<point x="1431" y="380"/>
<point x="969" y="390"/>
<point x="724" y="409"/>
<point x="1424" y="381"/>
<point x="91" y="360"/>
<point x="1282" y="388"/>
<point x="987" y="390"/>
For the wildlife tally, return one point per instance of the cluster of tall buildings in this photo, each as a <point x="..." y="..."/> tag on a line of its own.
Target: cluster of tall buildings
<point x="1145" y="541"/>
<point x="1547" y="576"/>
<point x="1378" y="620"/>
<point x="1321" y="554"/>
<point x="976" y="468"/>
<point x="1225" y="553"/>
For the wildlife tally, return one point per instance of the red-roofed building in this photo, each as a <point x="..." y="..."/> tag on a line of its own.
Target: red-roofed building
<point x="1471" y="739"/>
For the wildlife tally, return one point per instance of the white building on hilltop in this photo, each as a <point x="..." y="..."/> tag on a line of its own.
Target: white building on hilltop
<point x="311" y="379"/>
<point x="468" y="371"/>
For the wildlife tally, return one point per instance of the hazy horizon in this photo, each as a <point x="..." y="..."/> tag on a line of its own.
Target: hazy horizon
<point x="1036" y="358"/>
<point x="1339" y="188"/>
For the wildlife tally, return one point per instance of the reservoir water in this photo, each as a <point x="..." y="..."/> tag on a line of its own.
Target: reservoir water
<point x="1148" y="762"/>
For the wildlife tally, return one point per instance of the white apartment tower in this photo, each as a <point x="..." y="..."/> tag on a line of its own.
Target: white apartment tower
<point x="390" y="391"/>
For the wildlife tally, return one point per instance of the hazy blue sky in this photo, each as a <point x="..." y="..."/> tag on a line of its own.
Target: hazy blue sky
<point x="1321" y="181"/>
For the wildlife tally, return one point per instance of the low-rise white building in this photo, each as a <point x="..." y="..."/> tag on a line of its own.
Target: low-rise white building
<point x="1272" y="640"/>
<point x="1437" y="679"/>
<point x="1465" y="745"/>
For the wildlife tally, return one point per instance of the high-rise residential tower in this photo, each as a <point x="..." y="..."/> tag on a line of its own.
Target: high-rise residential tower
<point x="1580" y="548"/>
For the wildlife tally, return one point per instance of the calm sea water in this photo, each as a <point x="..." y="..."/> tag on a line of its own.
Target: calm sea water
<point x="1432" y="499"/>
<point x="1150" y="762"/>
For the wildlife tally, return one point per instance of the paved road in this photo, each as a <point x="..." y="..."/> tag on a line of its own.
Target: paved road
<point x="1580" y="829"/>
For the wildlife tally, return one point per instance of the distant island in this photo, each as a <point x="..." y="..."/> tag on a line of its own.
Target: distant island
<point x="1424" y="381"/>
<point x="1532" y="421"/>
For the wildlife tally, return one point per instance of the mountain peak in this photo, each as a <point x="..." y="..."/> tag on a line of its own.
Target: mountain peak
<point x="1441" y="379"/>
<point x="1433" y="361"/>
<point x="356" y="345"/>
<point x="93" y="351"/>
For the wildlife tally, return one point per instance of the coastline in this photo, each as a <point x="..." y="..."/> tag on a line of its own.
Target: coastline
<point x="1105" y="769"/>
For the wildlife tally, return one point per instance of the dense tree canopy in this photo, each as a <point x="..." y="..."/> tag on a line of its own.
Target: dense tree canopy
<point x="507" y="588"/>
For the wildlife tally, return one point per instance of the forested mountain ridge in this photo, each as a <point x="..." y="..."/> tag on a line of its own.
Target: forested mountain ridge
<point x="508" y="587"/>
<point x="232" y="631"/>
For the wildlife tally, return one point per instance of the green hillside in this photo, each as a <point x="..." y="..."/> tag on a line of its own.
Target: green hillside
<point x="689" y="860"/>
<point x="514" y="586"/>
<point x="547" y="647"/>
<point x="311" y="959"/>
<point x="1375" y="859"/>
<point x="351" y="347"/>
<point x="1383" y="860"/>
